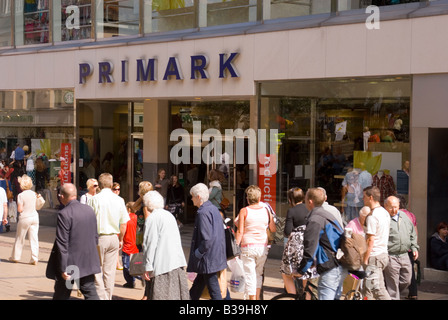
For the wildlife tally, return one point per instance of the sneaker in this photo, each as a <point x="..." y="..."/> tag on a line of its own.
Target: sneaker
<point x="129" y="285"/>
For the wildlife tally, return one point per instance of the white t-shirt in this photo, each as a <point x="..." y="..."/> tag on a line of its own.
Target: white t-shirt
<point x="378" y="224"/>
<point x="28" y="199"/>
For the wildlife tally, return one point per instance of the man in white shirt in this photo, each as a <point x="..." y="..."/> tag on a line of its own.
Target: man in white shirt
<point x="377" y="236"/>
<point x="112" y="217"/>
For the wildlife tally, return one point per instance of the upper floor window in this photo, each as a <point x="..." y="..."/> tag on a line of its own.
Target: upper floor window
<point x="32" y="22"/>
<point x="117" y="18"/>
<point x="72" y="20"/>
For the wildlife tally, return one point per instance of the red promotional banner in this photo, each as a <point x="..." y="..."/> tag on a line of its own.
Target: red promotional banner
<point x="267" y="178"/>
<point x="66" y="159"/>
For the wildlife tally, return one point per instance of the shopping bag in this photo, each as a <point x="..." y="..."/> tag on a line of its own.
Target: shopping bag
<point x="12" y="211"/>
<point x="136" y="264"/>
<point x="237" y="282"/>
<point x="232" y="249"/>
<point x="222" y="279"/>
<point x="40" y="201"/>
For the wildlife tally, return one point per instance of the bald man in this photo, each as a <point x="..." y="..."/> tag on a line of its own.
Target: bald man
<point x="74" y="257"/>
<point x="402" y="239"/>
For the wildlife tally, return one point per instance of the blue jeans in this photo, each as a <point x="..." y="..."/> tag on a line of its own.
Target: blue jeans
<point x="125" y="258"/>
<point x="330" y="283"/>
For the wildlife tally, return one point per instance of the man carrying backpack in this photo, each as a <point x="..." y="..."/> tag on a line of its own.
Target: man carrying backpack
<point x="322" y="237"/>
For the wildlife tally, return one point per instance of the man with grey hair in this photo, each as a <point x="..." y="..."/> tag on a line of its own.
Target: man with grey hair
<point x="402" y="239"/>
<point x="74" y="256"/>
<point x="112" y="217"/>
<point x="208" y="246"/>
<point x="331" y="209"/>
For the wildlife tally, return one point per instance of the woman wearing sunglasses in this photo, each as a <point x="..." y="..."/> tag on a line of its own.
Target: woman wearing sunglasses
<point x="92" y="187"/>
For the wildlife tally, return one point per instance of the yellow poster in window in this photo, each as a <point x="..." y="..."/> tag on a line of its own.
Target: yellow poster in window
<point x="365" y="160"/>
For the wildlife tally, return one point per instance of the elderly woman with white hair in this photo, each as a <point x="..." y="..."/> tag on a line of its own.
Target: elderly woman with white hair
<point x="208" y="246"/>
<point x="28" y="221"/>
<point x="164" y="257"/>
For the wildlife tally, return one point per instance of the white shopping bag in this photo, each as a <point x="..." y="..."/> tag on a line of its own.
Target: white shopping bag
<point x="12" y="211"/>
<point x="237" y="282"/>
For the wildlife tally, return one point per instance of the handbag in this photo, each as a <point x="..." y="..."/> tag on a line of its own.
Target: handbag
<point x="222" y="279"/>
<point x="225" y="203"/>
<point x="232" y="249"/>
<point x="271" y="235"/>
<point x="136" y="265"/>
<point x="9" y="194"/>
<point x="40" y="201"/>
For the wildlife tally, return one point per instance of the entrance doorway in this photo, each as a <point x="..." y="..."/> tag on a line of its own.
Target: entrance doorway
<point x="196" y="117"/>
<point x="437" y="177"/>
<point x="110" y="141"/>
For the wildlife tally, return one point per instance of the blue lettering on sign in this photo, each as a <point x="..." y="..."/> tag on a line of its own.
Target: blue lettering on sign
<point x="147" y="69"/>
<point x="173" y="69"/>
<point x="227" y="65"/>
<point x="198" y="65"/>
<point x="105" y="74"/>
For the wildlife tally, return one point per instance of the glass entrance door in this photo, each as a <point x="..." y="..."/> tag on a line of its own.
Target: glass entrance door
<point x="210" y="126"/>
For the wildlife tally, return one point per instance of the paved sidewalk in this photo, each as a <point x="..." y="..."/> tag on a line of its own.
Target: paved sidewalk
<point x="22" y="281"/>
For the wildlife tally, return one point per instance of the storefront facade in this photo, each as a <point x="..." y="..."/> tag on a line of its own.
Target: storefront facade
<point x="305" y="90"/>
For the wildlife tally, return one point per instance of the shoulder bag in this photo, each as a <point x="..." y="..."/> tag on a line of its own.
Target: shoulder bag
<point x="232" y="249"/>
<point x="40" y="201"/>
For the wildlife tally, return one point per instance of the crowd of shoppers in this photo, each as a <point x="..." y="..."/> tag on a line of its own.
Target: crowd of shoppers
<point x="92" y="231"/>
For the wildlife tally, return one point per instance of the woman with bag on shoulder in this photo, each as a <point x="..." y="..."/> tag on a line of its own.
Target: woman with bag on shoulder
<point x="252" y="234"/>
<point x="28" y="221"/>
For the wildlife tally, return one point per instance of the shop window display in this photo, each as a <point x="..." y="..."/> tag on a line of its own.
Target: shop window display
<point x="340" y="134"/>
<point x="37" y="136"/>
<point x="36" y="20"/>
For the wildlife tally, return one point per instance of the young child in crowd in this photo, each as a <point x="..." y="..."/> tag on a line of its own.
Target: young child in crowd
<point x="129" y="246"/>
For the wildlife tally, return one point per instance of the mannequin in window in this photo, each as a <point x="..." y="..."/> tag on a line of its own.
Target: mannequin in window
<point x="385" y="183"/>
<point x="407" y="167"/>
<point x="351" y="196"/>
<point x="388" y="136"/>
<point x="375" y="137"/>
<point x="366" y="136"/>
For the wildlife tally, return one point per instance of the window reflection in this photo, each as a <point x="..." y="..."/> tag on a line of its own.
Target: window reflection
<point x="73" y="20"/>
<point x="330" y="128"/>
<point x="32" y="20"/>
<point x="117" y="18"/>
<point x="5" y="23"/>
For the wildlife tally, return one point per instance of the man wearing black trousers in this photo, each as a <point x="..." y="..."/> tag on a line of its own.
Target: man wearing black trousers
<point x="74" y="257"/>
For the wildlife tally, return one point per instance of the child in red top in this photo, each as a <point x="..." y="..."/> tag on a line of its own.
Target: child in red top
<point x="129" y="246"/>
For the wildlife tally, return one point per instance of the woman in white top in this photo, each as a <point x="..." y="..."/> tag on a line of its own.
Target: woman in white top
<point x="92" y="187"/>
<point x="28" y="221"/>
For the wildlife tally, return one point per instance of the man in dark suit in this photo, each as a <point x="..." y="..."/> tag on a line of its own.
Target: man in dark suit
<point x="74" y="256"/>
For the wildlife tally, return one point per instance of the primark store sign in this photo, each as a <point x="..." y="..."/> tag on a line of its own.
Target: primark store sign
<point x="147" y="69"/>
